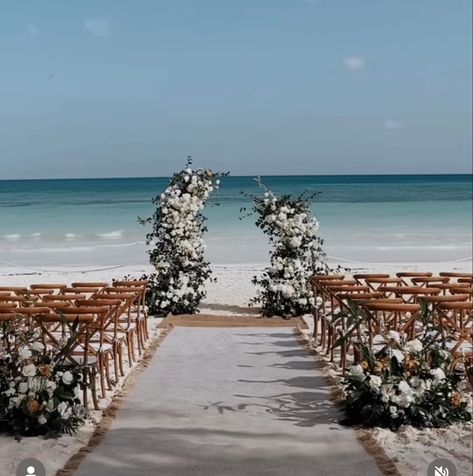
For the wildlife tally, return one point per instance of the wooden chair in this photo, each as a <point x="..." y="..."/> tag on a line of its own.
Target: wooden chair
<point x="97" y="345"/>
<point x="111" y="331"/>
<point x="77" y="354"/>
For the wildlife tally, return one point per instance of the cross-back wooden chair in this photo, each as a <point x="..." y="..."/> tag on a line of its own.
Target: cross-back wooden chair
<point x="320" y="296"/>
<point x="141" y="287"/>
<point x="400" y="317"/>
<point x="133" y="305"/>
<point x="97" y="345"/>
<point x="112" y="333"/>
<point x="457" y="318"/>
<point x="77" y="354"/>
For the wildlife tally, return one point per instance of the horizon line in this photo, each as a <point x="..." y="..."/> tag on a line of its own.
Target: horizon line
<point x="242" y="176"/>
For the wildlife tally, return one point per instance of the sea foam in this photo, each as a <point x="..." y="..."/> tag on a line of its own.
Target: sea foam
<point x="112" y="235"/>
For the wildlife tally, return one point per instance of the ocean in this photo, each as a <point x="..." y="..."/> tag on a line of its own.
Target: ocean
<point x="364" y="218"/>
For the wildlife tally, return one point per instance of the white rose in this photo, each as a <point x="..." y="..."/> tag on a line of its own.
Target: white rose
<point x="23" y="387"/>
<point x="42" y="420"/>
<point x="67" y="378"/>
<point x="375" y="383"/>
<point x="413" y="346"/>
<point x="394" y="336"/>
<point x="398" y="355"/>
<point x="438" y="375"/>
<point x="29" y="370"/>
<point x="357" y="372"/>
<point x="404" y="387"/>
<point x="25" y="354"/>
<point x="50" y="386"/>
<point x="61" y="408"/>
<point x="37" y="346"/>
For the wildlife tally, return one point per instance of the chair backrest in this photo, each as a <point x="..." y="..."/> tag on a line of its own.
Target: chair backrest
<point x="392" y="307"/>
<point x="460" y="305"/>
<point x="431" y="279"/>
<point x="64" y="297"/>
<point x="80" y="290"/>
<point x="456" y="274"/>
<point x="440" y="299"/>
<point x="48" y="286"/>
<point x="132" y="282"/>
<point x="349" y="289"/>
<point x="414" y="274"/>
<point x="412" y="290"/>
<point x="14" y="289"/>
<point x="98" y="284"/>
<point x="360" y="296"/>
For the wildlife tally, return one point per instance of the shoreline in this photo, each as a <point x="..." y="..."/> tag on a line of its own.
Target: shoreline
<point x="233" y="286"/>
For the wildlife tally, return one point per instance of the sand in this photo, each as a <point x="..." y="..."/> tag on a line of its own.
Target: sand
<point x="230" y="296"/>
<point x="54" y="453"/>
<point x="261" y="407"/>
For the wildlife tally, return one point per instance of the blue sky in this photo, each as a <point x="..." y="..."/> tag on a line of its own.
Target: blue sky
<point x="130" y="88"/>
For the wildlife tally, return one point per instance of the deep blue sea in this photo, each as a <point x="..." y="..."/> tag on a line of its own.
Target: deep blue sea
<point x="402" y="218"/>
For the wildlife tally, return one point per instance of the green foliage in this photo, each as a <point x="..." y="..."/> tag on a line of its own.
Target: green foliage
<point x="176" y="238"/>
<point x="296" y="254"/>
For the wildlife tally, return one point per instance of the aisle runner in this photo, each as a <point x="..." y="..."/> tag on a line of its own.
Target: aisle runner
<point x="229" y="402"/>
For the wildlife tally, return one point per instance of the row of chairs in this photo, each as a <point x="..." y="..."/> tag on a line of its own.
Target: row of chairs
<point x="105" y="319"/>
<point x="396" y="303"/>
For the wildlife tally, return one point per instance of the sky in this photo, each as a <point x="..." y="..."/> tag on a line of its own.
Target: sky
<point x="117" y="88"/>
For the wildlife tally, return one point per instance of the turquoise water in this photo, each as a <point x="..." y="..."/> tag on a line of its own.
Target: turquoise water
<point x="367" y="218"/>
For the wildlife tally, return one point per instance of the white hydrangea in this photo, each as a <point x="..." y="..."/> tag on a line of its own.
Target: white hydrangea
<point x="29" y="370"/>
<point x="438" y="374"/>
<point x="413" y="346"/>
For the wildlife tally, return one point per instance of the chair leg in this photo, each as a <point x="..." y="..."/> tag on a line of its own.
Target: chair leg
<point x="85" y="385"/>
<point x="316" y="325"/>
<point x="93" y="388"/>
<point x="329" y="340"/>
<point x="102" y="375"/>
<point x="106" y="361"/>
<point x="129" y="344"/>
<point x="138" y="337"/>
<point x="115" y="359"/>
<point x="120" y="359"/>
<point x="332" y="347"/>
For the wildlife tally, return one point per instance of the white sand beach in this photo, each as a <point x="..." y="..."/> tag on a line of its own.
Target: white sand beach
<point x="411" y="450"/>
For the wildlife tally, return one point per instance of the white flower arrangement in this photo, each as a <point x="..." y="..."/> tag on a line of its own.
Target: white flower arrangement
<point x="406" y="383"/>
<point x="39" y="392"/>
<point x="177" y="287"/>
<point x="296" y="255"/>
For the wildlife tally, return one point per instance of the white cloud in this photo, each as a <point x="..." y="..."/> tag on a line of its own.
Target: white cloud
<point x="32" y="30"/>
<point x="393" y="125"/>
<point x="354" y="63"/>
<point x="98" y="27"/>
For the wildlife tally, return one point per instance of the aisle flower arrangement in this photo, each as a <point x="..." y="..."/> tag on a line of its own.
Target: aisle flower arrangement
<point x="177" y="240"/>
<point x="39" y="393"/>
<point x="296" y="254"/>
<point x="406" y="383"/>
